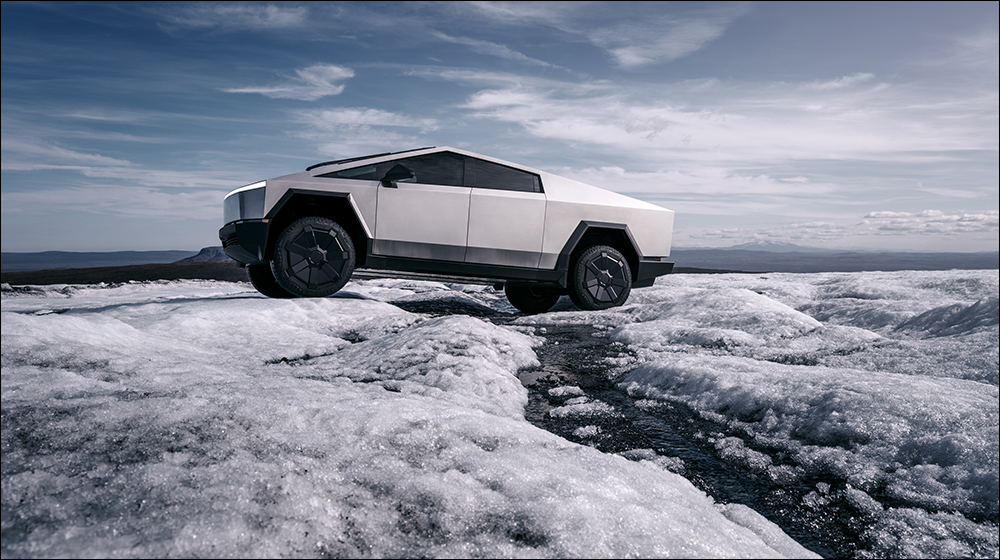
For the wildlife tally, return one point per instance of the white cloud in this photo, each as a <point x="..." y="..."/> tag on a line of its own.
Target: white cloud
<point x="763" y="123"/>
<point x="839" y="83"/>
<point x="142" y="202"/>
<point x="548" y="13"/>
<point x="709" y="181"/>
<point x="28" y="154"/>
<point x="358" y="141"/>
<point x="311" y="83"/>
<point x="928" y="230"/>
<point x="975" y="55"/>
<point x="931" y="222"/>
<point x="662" y="40"/>
<point x="804" y="233"/>
<point x="644" y="34"/>
<point x="327" y="119"/>
<point x="233" y="16"/>
<point x="32" y="154"/>
<point x="350" y="131"/>
<point x="492" y="49"/>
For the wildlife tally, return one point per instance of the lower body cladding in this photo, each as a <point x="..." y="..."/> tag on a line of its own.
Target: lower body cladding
<point x="596" y="277"/>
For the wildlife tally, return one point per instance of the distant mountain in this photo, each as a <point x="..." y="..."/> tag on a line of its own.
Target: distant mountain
<point x="208" y="254"/>
<point x="768" y="257"/>
<point x="828" y="261"/>
<point x="54" y="260"/>
<point x="776" y="247"/>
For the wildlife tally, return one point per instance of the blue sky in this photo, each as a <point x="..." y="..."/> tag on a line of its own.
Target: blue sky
<point x="840" y="125"/>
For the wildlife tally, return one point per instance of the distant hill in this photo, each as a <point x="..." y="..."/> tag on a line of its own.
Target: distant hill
<point x="774" y="247"/>
<point x="54" y="260"/>
<point x="829" y="261"/>
<point x="57" y="267"/>
<point x="229" y="270"/>
<point x="208" y="254"/>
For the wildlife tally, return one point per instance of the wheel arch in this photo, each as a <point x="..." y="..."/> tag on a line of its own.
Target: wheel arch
<point x="339" y="207"/>
<point x="588" y="234"/>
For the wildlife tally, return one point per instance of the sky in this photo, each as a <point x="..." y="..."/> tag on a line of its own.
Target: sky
<point x="838" y="125"/>
<point x="202" y="419"/>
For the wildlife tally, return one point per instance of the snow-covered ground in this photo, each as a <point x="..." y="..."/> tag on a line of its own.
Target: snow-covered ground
<point x="200" y="419"/>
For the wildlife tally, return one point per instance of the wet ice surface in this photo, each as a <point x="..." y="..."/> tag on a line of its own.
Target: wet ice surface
<point x="858" y="411"/>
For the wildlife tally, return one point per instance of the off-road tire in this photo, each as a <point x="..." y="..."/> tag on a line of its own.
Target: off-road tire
<point x="600" y="278"/>
<point x="313" y="257"/>
<point x="262" y="278"/>
<point x="531" y="300"/>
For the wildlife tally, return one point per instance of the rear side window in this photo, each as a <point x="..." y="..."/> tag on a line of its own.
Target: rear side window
<point x="491" y="175"/>
<point x="436" y="169"/>
<point x="360" y="173"/>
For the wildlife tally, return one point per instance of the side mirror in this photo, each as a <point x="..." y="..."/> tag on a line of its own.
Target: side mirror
<point x="397" y="173"/>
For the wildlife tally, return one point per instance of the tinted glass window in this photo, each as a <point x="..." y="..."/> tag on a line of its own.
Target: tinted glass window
<point x="436" y="169"/>
<point x="362" y="173"/>
<point x="494" y="176"/>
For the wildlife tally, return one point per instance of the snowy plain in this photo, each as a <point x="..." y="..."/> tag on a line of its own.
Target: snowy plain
<point x="198" y="418"/>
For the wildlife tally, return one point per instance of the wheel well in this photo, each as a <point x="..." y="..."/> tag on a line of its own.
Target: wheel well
<point x="611" y="237"/>
<point x="336" y="208"/>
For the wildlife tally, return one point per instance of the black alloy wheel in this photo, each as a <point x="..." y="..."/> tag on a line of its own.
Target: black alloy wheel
<point x="262" y="278"/>
<point x="313" y="257"/>
<point x="601" y="278"/>
<point x="531" y="300"/>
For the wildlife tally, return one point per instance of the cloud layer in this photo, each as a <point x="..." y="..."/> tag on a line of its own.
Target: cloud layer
<point x="309" y="84"/>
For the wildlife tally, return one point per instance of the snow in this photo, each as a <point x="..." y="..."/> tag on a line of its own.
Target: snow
<point x="197" y="418"/>
<point x="887" y="381"/>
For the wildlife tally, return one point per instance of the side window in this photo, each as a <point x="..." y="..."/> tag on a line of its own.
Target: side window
<point x="360" y="173"/>
<point x="494" y="176"/>
<point x="435" y="169"/>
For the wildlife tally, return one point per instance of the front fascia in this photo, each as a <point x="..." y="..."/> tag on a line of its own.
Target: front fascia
<point x="245" y="241"/>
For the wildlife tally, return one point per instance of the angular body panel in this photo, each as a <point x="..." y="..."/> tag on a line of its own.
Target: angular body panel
<point x="506" y="227"/>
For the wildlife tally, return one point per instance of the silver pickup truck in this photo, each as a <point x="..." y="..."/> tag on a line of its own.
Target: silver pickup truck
<point x="445" y="213"/>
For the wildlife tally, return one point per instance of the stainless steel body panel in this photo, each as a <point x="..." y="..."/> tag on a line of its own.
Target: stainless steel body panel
<point x="409" y="215"/>
<point x="505" y="227"/>
<point x="570" y="202"/>
<point x="363" y="194"/>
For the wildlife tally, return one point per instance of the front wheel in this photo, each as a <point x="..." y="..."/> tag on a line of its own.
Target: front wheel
<point x="262" y="278"/>
<point x="313" y="257"/>
<point x="601" y="278"/>
<point x="531" y="300"/>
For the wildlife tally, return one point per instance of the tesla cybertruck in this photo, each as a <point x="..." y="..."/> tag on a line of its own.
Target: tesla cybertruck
<point x="446" y="214"/>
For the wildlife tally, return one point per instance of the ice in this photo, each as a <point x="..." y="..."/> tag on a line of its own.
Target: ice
<point x="893" y="392"/>
<point x="776" y="539"/>
<point x="929" y="441"/>
<point x="954" y="319"/>
<point x="199" y="419"/>
<point x="582" y="406"/>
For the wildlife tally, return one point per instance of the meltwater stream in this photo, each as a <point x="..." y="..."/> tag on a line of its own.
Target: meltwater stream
<point x="573" y="394"/>
<point x="574" y="372"/>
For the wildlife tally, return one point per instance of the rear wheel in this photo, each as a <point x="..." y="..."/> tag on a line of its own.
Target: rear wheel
<point x="262" y="278"/>
<point x="600" y="278"/>
<point x="313" y="257"/>
<point x="531" y="300"/>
